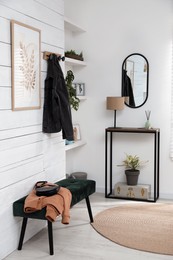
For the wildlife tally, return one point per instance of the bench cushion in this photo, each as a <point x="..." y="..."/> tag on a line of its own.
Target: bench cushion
<point x="80" y="189"/>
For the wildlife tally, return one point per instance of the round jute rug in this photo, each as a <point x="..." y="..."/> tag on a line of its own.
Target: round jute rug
<point x="147" y="227"/>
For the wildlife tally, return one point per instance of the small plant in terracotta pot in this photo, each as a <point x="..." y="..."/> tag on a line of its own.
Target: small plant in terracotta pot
<point x="132" y="165"/>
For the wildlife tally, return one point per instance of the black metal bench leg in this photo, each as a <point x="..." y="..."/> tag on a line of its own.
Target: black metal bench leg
<point x="22" y="233"/>
<point x="50" y="235"/>
<point x="89" y="209"/>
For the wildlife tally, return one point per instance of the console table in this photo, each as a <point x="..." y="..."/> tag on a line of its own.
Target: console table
<point x="109" y="132"/>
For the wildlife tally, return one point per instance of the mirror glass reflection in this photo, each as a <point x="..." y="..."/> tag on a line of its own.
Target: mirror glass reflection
<point x="135" y="71"/>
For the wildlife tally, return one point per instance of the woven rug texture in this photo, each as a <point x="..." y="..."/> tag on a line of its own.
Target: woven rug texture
<point x="147" y="227"/>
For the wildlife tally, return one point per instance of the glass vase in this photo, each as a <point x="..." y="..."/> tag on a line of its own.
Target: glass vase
<point x="147" y="123"/>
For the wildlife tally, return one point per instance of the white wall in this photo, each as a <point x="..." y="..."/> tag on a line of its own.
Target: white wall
<point x="115" y="29"/>
<point x="27" y="155"/>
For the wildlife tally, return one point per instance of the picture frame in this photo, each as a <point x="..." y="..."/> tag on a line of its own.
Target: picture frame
<point x="76" y="132"/>
<point x="26" y="54"/>
<point x="80" y="89"/>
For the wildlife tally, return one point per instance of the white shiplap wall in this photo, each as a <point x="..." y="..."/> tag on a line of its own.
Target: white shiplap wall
<point x="26" y="154"/>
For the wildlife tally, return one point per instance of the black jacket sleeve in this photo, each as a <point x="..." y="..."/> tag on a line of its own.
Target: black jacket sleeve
<point x="56" y="110"/>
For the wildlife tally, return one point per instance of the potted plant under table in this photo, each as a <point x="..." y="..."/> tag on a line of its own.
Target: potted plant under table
<point x="132" y="165"/>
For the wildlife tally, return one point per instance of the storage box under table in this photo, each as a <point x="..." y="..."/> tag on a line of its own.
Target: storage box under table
<point x="140" y="191"/>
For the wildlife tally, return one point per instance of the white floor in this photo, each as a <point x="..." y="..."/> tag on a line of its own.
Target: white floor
<point x="79" y="241"/>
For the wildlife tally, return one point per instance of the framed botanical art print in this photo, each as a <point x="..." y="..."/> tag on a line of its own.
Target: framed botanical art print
<point x="26" y="50"/>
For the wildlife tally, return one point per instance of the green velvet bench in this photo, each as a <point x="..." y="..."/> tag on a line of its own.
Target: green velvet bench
<point x="80" y="189"/>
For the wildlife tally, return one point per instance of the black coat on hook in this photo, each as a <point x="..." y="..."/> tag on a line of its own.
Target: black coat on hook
<point x="56" y="109"/>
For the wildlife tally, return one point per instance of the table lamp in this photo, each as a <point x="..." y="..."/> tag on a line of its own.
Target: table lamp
<point x="115" y="103"/>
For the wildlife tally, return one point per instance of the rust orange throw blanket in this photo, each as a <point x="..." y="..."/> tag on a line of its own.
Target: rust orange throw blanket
<point x="58" y="204"/>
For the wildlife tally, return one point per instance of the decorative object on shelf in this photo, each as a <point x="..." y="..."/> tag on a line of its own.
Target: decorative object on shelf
<point x="73" y="55"/>
<point x="147" y="123"/>
<point x="115" y="103"/>
<point x="80" y="88"/>
<point x="132" y="164"/>
<point x="74" y="101"/>
<point x="67" y="142"/>
<point x="26" y="91"/>
<point x="76" y="132"/>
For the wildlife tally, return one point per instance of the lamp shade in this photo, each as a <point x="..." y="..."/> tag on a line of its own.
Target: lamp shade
<point x="115" y="103"/>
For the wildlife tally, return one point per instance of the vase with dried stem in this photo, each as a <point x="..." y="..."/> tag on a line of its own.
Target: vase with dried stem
<point x="147" y="123"/>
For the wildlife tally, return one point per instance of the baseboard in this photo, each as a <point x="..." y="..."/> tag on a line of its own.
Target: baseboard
<point x="100" y="189"/>
<point x="166" y="196"/>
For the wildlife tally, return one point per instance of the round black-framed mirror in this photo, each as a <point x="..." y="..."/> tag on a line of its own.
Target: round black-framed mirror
<point x="135" y="79"/>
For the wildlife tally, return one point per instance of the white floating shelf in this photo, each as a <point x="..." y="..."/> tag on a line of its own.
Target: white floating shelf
<point x="70" y="25"/>
<point x="82" y="97"/>
<point x="74" y="62"/>
<point x="74" y="145"/>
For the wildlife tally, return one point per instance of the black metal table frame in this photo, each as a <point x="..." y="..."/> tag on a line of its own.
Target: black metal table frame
<point x="109" y="133"/>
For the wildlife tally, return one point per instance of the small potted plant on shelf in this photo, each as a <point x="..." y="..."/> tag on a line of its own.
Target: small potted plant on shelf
<point x="73" y="55"/>
<point x="132" y="165"/>
<point x="73" y="99"/>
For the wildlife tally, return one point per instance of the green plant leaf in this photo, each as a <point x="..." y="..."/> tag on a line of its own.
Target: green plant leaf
<point x="74" y="101"/>
<point x="132" y="162"/>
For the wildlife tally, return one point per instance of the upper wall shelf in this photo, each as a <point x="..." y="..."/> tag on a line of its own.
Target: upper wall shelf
<point x="75" y="62"/>
<point x="69" y="25"/>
